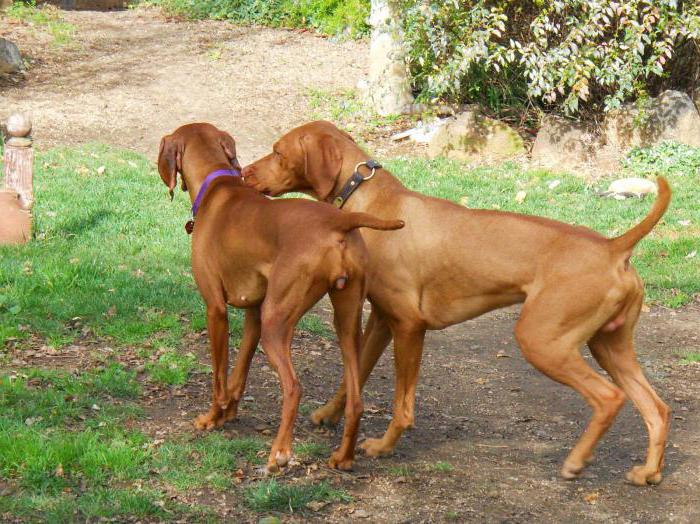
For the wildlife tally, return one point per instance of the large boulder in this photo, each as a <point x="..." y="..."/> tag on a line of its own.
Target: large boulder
<point x="472" y="136"/>
<point x="671" y="116"/>
<point x="10" y="59"/>
<point x="565" y="144"/>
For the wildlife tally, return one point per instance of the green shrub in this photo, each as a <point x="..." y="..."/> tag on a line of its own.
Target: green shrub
<point x="333" y="17"/>
<point x="571" y="55"/>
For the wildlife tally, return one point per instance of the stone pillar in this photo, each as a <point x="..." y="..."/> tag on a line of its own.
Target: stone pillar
<point x="389" y="89"/>
<point x="19" y="157"/>
<point x="16" y="197"/>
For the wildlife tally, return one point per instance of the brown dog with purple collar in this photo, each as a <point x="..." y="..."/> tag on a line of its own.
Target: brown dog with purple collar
<point x="451" y="264"/>
<point x="275" y="259"/>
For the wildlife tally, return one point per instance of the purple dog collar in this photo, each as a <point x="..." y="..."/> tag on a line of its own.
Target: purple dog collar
<point x="207" y="181"/>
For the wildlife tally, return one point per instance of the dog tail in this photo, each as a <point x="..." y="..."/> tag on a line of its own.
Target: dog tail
<point x="349" y="221"/>
<point x="625" y="243"/>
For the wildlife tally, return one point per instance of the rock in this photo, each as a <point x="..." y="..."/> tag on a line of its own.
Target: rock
<point x="270" y="520"/>
<point x="360" y="514"/>
<point x="625" y="187"/>
<point x="317" y="505"/>
<point x="422" y="133"/>
<point x="10" y="59"/>
<point x="563" y="144"/>
<point x="696" y="98"/>
<point x="474" y="137"/>
<point x="671" y="116"/>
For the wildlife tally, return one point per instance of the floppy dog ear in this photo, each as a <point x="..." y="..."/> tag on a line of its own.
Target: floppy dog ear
<point x="322" y="162"/>
<point x="228" y="144"/>
<point x="170" y="161"/>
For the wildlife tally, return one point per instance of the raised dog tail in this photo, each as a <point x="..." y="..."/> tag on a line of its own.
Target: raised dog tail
<point x="349" y="221"/>
<point x="625" y="243"/>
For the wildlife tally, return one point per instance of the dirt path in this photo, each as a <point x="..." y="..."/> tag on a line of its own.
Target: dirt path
<point x="503" y="429"/>
<point x="130" y="77"/>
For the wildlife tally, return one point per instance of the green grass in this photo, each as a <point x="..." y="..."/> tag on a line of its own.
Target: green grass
<point x="404" y="470"/>
<point x="312" y="450"/>
<point x="443" y="467"/>
<point x="690" y="357"/>
<point x="664" y="259"/>
<point x="271" y="495"/>
<point x="46" y="18"/>
<point x="110" y="249"/>
<point x="173" y="368"/>
<point x="65" y="450"/>
<point x="209" y="461"/>
<point x="347" y="18"/>
<point x="71" y="450"/>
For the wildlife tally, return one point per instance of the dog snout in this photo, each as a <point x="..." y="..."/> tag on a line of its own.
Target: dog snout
<point x="249" y="176"/>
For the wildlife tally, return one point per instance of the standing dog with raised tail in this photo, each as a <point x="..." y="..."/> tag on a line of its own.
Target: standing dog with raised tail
<point x="451" y="264"/>
<point x="275" y="259"/>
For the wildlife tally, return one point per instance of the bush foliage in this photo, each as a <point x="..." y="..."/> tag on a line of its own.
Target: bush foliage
<point x="571" y="55"/>
<point x="334" y="17"/>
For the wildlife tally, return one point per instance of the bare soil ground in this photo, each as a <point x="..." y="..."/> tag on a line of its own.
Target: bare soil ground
<point x="503" y="427"/>
<point x="131" y="77"/>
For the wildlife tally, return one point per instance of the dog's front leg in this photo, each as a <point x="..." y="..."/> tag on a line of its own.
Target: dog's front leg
<point x="217" y="325"/>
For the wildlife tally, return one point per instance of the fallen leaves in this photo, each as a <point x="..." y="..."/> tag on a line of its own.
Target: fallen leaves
<point x="592" y="498"/>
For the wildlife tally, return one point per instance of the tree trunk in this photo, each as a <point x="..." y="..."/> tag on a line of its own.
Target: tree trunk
<point x="389" y="85"/>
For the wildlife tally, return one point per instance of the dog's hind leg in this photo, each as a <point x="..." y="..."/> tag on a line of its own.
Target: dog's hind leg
<point x="239" y="374"/>
<point x="614" y="351"/>
<point x="217" y="326"/>
<point x="557" y="355"/>
<point x="291" y="292"/>
<point x="347" y="306"/>
<point x="375" y="339"/>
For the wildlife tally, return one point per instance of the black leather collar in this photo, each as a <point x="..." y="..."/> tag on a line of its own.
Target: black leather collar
<point x="354" y="182"/>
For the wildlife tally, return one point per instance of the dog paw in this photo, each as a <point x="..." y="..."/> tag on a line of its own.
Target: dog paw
<point x="209" y="421"/>
<point x="375" y="447"/>
<point x="338" y="461"/>
<point x="571" y="471"/>
<point x="326" y="416"/>
<point x="643" y="475"/>
<point x="278" y="459"/>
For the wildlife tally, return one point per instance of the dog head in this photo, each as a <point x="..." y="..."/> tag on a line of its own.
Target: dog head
<point x="309" y="158"/>
<point x="187" y="144"/>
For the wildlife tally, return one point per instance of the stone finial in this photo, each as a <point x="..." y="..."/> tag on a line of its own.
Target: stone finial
<point x="18" y="125"/>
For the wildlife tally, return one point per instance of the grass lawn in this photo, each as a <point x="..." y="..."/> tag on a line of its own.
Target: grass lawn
<point x="111" y="259"/>
<point x="47" y="18"/>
